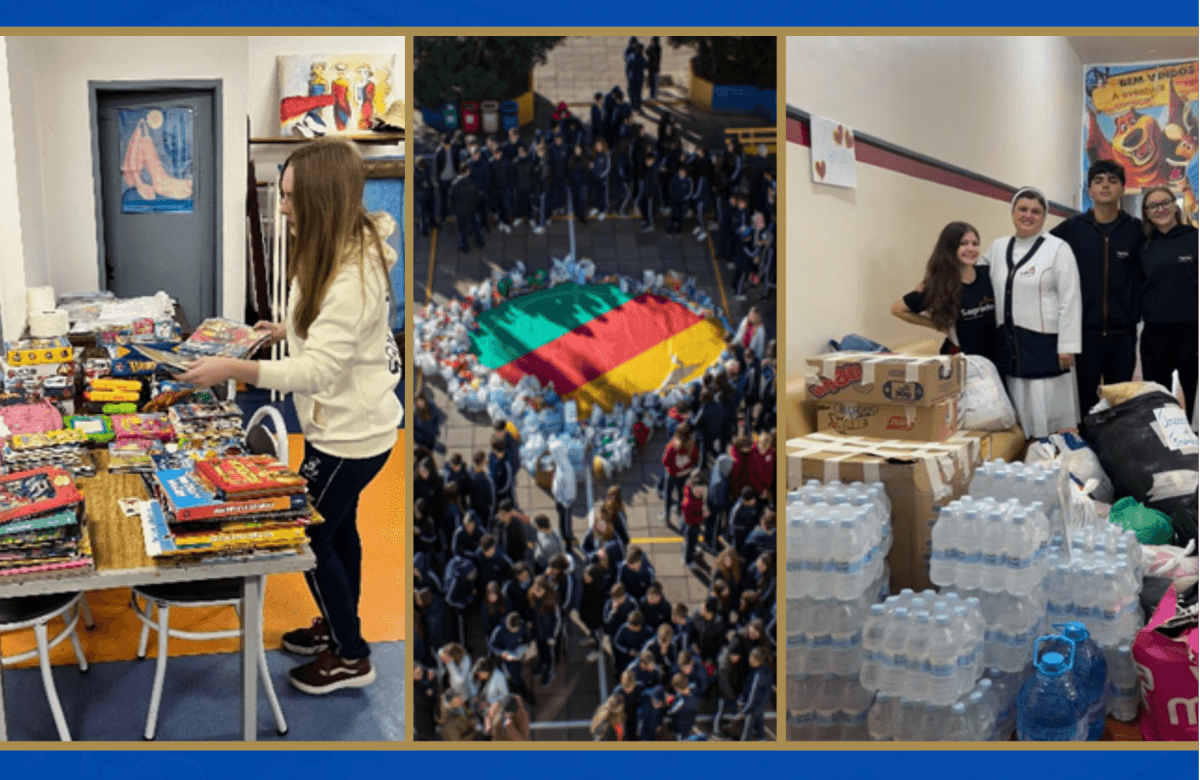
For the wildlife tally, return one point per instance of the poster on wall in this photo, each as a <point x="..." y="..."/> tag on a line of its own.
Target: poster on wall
<point x="1144" y="118"/>
<point x="833" y="153"/>
<point x="333" y="94"/>
<point x="156" y="160"/>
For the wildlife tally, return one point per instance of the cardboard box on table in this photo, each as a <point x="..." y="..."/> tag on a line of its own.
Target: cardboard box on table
<point x="883" y="378"/>
<point x="890" y="421"/>
<point x="920" y="477"/>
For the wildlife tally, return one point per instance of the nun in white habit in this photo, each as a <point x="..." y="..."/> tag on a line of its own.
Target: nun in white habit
<point x="1039" y="316"/>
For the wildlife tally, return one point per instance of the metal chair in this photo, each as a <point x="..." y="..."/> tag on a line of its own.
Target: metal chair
<point x="36" y="612"/>
<point x="207" y="593"/>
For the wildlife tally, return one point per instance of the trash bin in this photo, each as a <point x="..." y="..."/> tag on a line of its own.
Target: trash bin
<point x="470" y="116"/>
<point x="491" y="116"/>
<point x="510" y="115"/>
<point x="450" y="116"/>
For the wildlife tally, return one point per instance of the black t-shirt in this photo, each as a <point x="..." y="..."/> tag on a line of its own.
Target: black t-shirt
<point x="976" y="325"/>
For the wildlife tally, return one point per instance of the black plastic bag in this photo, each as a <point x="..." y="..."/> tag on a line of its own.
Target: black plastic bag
<point x="1148" y="449"/>
<point x="1184" y="521"/>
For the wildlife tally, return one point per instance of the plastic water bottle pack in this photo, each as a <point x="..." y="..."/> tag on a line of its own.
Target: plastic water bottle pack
<point x="924" y="646"/>
<point x="827" y="707"/>
<point x="972" y="718"/>
<point x="838" y="537"/>
<point x="826" y="635"/>
<point x="1024" y="482"/>
<point x="986" y="545"/>
<point x="1013" y="623"/>
<point x="1098" y="590"/>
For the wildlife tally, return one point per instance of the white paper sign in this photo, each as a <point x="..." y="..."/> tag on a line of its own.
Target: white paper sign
<point x="1174" y="430"/>
<point x="833" y="159"/>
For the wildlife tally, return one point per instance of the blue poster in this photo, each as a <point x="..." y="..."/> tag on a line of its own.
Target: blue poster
<point x="156" y="160"/>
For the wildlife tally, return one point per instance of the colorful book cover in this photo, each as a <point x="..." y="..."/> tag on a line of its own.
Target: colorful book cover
<point x="188" y="498"/>
<point x="251" y="475"/>
<point x="47" y="522"/>
<point x="160" y="540"/>
<point x="142" y="426"/>
<point x="36" y="492"/>
<point x="219" y="336"/>
<point x="29" y="418"/>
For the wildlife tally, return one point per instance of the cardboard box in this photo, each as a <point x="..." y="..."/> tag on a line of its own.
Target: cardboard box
<point x="1007" y="445"/>
<point x="890" y="421"/>
<point x="919" y="477"/>
<point x="880" y="378"/>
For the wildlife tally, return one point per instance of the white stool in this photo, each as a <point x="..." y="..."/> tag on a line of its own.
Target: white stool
<point x="36" y="612"/>
<point x="205" y="593"/>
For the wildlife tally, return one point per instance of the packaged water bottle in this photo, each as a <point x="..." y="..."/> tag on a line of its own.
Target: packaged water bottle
<point x="916" y="654"/>
<point x="943" y="660"/>
<point x="943" y="564"/>
<point x="1091" y="675"/>
<point x="992" y="700"/>
<point x="1123" y="692"/>
<point x="879" y="720"/>
<point x="1005" y="685"/>
<point x="894" y="661"/>
<point x="1049" y="706"/>
<point x="980" y="717"/>
<point x="959" y="725"/>
<point x="873" y="648"/>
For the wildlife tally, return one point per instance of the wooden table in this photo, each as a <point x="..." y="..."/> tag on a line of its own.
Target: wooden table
<point x="122" y="562"/>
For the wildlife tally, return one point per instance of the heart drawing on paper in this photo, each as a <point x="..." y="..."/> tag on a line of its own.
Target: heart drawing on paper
<point x="820" y="166"/>
<point x="837" y="135"/>
<point x="849" y="140"/>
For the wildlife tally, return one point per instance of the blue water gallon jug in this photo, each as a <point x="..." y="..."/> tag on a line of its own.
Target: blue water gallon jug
<point x="1091" y="675"/>
<point x="1049" y="707"/>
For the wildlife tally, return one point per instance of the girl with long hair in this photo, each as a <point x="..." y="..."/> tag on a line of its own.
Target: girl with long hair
<point x="342" y="373"/>
<point x="547" y="619"/>
<point x="954" y="298"/>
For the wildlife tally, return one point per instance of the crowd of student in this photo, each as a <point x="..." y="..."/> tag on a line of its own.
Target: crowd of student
<point x="1058" y="311"/>
<point x="496" y="592"/>
<point x="610" y="166"/>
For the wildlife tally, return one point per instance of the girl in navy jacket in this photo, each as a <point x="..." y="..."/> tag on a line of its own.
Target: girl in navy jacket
<point x="601" y="167"/>
<point x="547" y="620"/>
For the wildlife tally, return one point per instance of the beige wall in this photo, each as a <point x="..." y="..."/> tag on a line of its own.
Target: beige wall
<point x="12" y="260"/>
<point x="1007" y="108"/>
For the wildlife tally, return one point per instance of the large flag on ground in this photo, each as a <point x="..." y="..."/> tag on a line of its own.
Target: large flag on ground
<point x="595" y="343"/>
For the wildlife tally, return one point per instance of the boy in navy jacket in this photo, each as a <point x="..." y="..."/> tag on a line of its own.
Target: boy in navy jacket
<point x="455" y="471"/>
<point x="683" y="708"/>
<point x="654" y="606"/>
<point x="467" y="537"/>
<point x="756" y="695"/>
<point x="650" y="713"/>
<point x="743" y="517"/>
<point x="719" y="501"/>
<point x="685" y="664"/>
<point x="461" y="589"/>
<point x="629" y="639"/>
<point x="616" y="610"/>
<point x="635" y="573"/>
<point x="481" y="491"/>
<point x="680" y="194"/>
<point x="500" y="468"/>
<point x="493" y="564"/>
<point x="509" y="643"/>
<point x="646" y="669"/>
<point x="647" y="186"/>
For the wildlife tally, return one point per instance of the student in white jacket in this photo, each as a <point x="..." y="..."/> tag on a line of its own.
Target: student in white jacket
<point x="342" y="372"/>
<point x="1039" y="313"/>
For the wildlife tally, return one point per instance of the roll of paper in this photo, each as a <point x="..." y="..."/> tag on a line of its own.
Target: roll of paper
<point x="48" y="324"/>
<point x="39" y="299"/>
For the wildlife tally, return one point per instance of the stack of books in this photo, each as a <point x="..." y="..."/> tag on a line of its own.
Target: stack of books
<point x="216" y="337"/>
<point x="226" y="507"/>
<point x="64" y="448"/>
<point x="208" y="427"/>
<point x="41" y="524"/>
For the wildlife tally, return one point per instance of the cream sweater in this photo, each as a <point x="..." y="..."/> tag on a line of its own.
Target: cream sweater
<point x="344" y="375"/>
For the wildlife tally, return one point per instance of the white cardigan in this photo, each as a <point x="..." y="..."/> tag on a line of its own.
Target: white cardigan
<point x="1046" y="296"/>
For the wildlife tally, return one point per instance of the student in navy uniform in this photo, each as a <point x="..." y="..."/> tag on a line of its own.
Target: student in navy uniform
<point x="525" y="184"/>
<point x="708" y="421"/>
<point x="592" y="602"/>
<point x="516" y="590"/>
<point x="701" y="170"/>
<point x="631" y="694"/>
<point x="512" y="144"/>
<point x="467" y="536"/>
<point x="635" y="67"/>
<point x="707" y="631"/>
<point x="509" y="643"/>
<point x="432" y="608"/>
<point x="730" y="681"/>
<point x="747" y="255"/>
<point x="512" y="531"/>
<point x="1169" y="295"/>
<point x="578" y="172"/>
<point x="685" y="664"/>
<point x="481" y="493"/>
<point x="461" y="589"/>
<point x="661" y="647"/>
<point x="611" y="126"/>
<point x="743" y="517"/>
<point x="1105" y="242"/>
<point x="653" y="66"/>
<point x="596" y="124"/>
<point x="500" y="467"/>
<point x="454" y="471"/>
<point x="547" y="621"/>
<point x="445" y="169"/>
<point x="765" y="420"/>
<point x="493" y="607"/>
<point x="681" y="195"/>
<point x="426" y="192"/>
<point x="755" y="695"/>
<point x="560" y="154"/>
<point x="465" y="198"/>
<point x="646" y="667"/>
<point x="647" y="187"/>
<point x="423" y="574"/>
<point x="654" y="606"/>
<point x="684" y="708"/>
<point x="480" y="166"/>
<point x="651" y="710"/>
<point x="601" y="168"/>
<point x="681" y="625"/>
<point x="607" y="558"/>
<point x="494" y="565"/>
<point x="617" y="610"/>
<point x="544" y="196"/>
<point x="635" y="573"/>
<point x="761" y="539"/>
<point x="622" y="167"/>
<point x="734" y="163"/>
<point x="719" y="500"/>
<point x="500" y="194"/>
<point x="628" y="640"/>
<point x="425" y="699"/>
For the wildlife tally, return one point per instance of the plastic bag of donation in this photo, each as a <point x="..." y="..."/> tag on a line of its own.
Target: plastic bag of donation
<point x="1147" y="445"/>
<point x="1077" y="459"/>
<point x="985" y="405"/>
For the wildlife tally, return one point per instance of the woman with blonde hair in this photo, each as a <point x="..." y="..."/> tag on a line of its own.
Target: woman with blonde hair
<point x="342" y="373"/>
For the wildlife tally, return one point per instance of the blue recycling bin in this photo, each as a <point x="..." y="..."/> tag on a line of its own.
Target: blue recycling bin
<point x="450" y="116"/>
<point x="509" y="115"/>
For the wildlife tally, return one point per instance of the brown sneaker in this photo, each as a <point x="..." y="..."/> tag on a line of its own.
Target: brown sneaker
<point x="329" y="672"/>
<point x="308" y="641"/>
